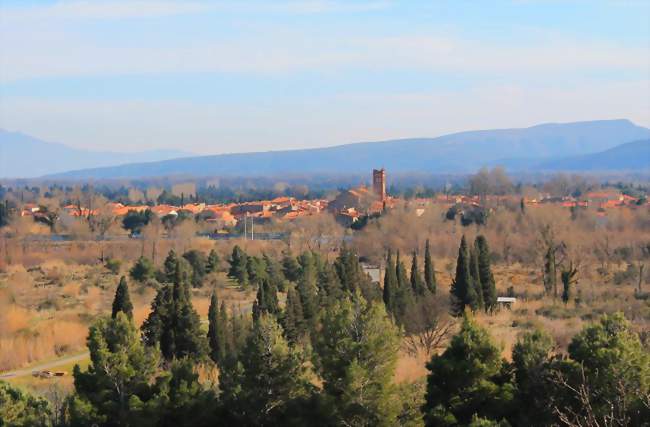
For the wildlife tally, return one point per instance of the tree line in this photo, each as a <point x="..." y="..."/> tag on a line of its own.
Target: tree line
<point x="327" y="355"/>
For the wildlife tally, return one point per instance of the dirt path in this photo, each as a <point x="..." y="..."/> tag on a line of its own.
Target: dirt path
<point x="44" y="366"/>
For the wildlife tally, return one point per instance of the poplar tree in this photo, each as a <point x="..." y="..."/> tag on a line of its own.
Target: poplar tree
<point x="429" y="270"/>
<point x="488" y="283"/>
<point x="122" y="301"/>
<point x="417" y="285"/>
<point x="390" y="283"/>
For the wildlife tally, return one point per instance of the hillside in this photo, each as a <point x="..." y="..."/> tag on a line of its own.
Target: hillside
<point x="456" y="153"/>
<point x="23" y="156"/>
<point x="630" y="156"/>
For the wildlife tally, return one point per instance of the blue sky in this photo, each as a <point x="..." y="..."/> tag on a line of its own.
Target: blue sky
<point x="229" y="76"/>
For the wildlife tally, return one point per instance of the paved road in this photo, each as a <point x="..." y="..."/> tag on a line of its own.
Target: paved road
<point x="44" y="366"/>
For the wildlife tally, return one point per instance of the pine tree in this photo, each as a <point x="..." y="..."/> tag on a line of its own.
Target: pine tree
<point x="468" y="379"/>
<point x="142" y="270"/>
<point x="357" y="355"/>
<point x="390" y="284"/>
<point x="429" y="270"/>
<point x="293" y="320"/>
<point x="116" y="387"/>
<point x="239" y="266"/>
<point x="476" y="278"/>
<point x="488" y="283"/>
<point x="212" y="265"/>
<point x="462" y="291"/>
<point x="417" y="285"/>
<point x="271" y="375"/>
<point x="122" y="301"/>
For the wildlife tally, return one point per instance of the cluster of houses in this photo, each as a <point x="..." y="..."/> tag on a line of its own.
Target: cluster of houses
<point x="221" y="215"/>
<point x="348" y="207"/>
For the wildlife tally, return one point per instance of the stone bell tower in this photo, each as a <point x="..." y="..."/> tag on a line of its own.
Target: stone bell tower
<point x="379" y="183"/>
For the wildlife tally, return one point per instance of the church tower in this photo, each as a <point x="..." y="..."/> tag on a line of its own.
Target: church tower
<point x="379" y="183"/>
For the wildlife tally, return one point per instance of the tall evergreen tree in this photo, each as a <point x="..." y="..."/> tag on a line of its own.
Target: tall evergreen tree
<point x="270" y="376"/>
<point x="267" y="300"/>
<point x="429" y="270"/>
<point x="173" y="324"/>
<point x="357" y="355"/>
<point x="293" y="320"/>
<point x="470" y="378"/>
<point x="488" y="283"/>
<point x="213" y="263"/>
<point x="417" y="285"/>
<point x="274" y="273"/>
<point x="390" y="283"/>
<point x="476" y="278"/>
<point x="307" y="288"/>
<point x="239" y="266"/>
<point x="400" y="270"/>
<point x="122" y="300"/>
<point x="329" y="285"/>
<point x="290" y="268"/>
<point x="170" y="266"/>
<point x="116" y="388"/>
<point x="462" y="290"/>
<point x="216" y="331"/>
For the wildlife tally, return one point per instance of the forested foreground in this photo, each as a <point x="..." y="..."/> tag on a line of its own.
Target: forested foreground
<point x="320" y="344"/>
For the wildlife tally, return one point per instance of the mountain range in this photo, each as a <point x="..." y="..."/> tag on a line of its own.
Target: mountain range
<point x="23" y="156"/>
<point x="581" y="146"/>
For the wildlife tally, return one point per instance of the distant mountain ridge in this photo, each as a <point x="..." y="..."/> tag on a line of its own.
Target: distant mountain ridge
<point x="23" y="156"/>
<point x="632" y="156"/>
<point x="462" y="152"/>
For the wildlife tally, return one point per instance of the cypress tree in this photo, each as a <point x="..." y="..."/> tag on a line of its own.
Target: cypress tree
<point x="417" y="285"/>
<point x="390" y="283"/>
<point x="225" y="331"/>
<point x="429" y="270"/>
<point x="290" y="268"/>
<point x="267" y="300"/>
<point x="462" y="292"/>
<point x="122" y="301"/>
<point x="400" y="270"/>
<point x="476" y="279"/>
<point x="170" y="266"/>
<point x="307" y="288"/>
<point x="293" y="321"/>
<point x="239" y="266"/>
<point x="217" y="326"/>
<point x="173" y="324"/>
<point x="488" y="283"/>
<point x="212" y="265"/>
<point x="329" y="285"/>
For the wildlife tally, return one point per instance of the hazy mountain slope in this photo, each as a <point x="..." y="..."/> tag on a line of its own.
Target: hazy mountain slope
<point x="24" y="156"/>
<point x="456" y="153"/>
<point x="631" y="156"/>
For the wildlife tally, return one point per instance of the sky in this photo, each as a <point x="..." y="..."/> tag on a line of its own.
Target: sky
<point x="237" y="76"/>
